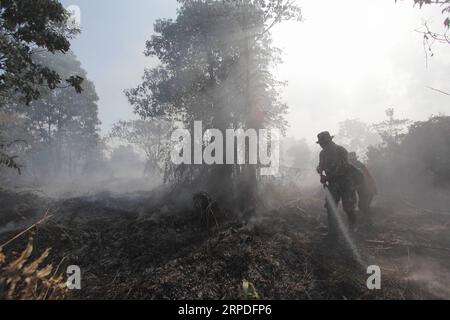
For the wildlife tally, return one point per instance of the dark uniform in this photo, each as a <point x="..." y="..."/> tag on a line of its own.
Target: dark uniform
<point x="366" y="187"/>
<point x="340" y="177"/>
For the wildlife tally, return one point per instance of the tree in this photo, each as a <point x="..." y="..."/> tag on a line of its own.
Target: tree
<point x="150" y="136"/>
<point x="63" y="122"/>
<point x="386" y="159"/>
<point x="216" y="61"/>
<point x="431" y="37"/>
<point x="15" y="139"/>
<point x="27" y="27"/>
<point x="6" y="159"/>
<point x="357" y="136"/>
<point x="445" y="9"/>
<point x="392" y="130"/>
<point x="428" y="143"/>
<point x="418" y="162"/>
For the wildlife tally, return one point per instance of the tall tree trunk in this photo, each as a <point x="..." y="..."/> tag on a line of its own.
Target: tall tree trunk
<point x="248" y="181"/>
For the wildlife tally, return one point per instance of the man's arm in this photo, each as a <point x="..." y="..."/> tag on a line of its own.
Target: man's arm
<point x="320" y="167"/>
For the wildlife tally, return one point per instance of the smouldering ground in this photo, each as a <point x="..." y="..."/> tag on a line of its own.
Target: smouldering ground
<point x="139" y="248"/>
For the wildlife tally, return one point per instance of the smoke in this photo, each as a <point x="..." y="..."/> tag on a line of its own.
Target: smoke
<point x="414" y="166"/>
<point x="342" y="227"/>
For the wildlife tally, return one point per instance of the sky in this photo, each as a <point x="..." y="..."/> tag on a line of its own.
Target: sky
<point x="111" y="48"/>
<point x="348" y="59"/>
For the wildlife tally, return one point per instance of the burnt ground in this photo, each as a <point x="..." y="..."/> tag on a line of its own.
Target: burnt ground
<point x="132" y="248"/>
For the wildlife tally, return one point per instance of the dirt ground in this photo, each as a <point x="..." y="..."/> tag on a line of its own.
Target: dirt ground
<point x="134" y="247"/>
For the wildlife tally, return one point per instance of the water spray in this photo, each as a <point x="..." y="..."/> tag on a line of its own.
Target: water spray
<point x="343" y="229"/>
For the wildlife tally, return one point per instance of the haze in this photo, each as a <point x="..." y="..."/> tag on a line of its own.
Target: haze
<point x="347" y="59"/>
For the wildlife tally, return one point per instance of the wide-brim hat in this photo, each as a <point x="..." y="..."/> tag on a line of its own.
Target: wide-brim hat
<point x="324" y="137"/>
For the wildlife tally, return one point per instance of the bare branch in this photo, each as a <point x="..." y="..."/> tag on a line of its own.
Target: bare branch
<point x="440" y="91"/>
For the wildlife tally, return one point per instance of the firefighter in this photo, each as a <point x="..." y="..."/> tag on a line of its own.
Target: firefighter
<point x="338" y="178"/>
<point x="366" y="188"/>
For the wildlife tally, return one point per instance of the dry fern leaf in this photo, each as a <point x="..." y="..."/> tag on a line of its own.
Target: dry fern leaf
<point x="18" y="264"/>
<point x="45" y="272"/>
<point x="2" y="257"/>
<point x="32" y="267"/>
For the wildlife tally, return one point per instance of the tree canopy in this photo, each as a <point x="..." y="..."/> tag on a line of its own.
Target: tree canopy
<point x="63" y="123"/>
<point x="28" y="27"/>
<point x="215" y="66"/>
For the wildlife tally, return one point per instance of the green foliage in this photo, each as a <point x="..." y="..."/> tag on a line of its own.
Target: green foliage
<point x="420" y="158"/>
<point x="61" y="126"/>
<point x="76" y="82"/>
<point x="215" y="66"/>
<point x="150" y="136"/>
<point x="444" y="5"/>
<point x="14" y="137"/>
<point x="8" y="161"/>
<point x="28" y="27"/>
<point x="428" y="141"/>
